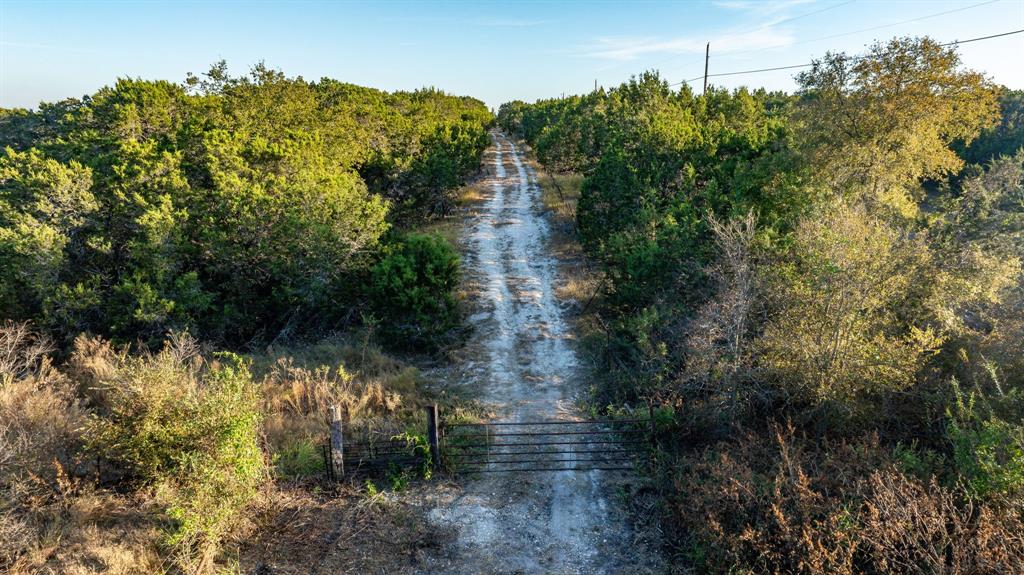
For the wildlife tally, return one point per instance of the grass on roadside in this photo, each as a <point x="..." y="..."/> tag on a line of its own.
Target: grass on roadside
<point x="560" y="194"/>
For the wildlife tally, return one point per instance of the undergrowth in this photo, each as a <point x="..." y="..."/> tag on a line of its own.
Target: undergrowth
<point x="139" y="462"/>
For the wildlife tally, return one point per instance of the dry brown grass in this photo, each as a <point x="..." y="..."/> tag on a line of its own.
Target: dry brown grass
<point x="95" y="532"/>
<point x="300" y="384"/>
<point x="786" y="504"/>
<point x="474" y="192"/>
<point x="93" y="361"/>
<point x="51" y="519"/>
<point x="579" y="288"/>
<point x="40" y="421"/>
<point x="561" y="194"/>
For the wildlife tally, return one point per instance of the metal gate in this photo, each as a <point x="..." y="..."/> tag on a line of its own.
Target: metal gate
<point x="488" y="447"/>
<point x="550" y="445"/>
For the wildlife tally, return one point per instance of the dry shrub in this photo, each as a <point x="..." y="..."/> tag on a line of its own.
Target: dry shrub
<point x="757" y="505"/>
<point x="51" y="520"/>
<point x="40" y="422"/>
<point x="40" y="425"/>
<point x="717" y="341"/>
<point x="93" y="361"/>
<point x="790" y="505"/>
<point x="22" y="350"/>
<point x="912" y="528"/>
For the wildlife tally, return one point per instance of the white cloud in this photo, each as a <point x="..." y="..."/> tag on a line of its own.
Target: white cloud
<point x="625" y="48"/>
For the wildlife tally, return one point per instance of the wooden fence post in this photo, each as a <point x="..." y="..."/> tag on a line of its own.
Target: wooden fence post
<point x="432" y="437"/>
<point x="337" y="442"/>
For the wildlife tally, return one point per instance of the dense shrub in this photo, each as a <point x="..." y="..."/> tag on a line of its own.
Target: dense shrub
<point x="789" y="505"/>
<point x="448" y="156"/>
<point x="987" y="436"/>
<point x="1005" y="138"/>
<point x="833" y="337"/>
<point x="237" y="208"/>
<point x="189" y="430"/>
<point x="412" y="290"/>
<point x="923" y="528"/>
<point x="871" y="281"/>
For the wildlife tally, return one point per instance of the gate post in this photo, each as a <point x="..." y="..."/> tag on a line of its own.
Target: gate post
<point x="653" y="424"/>
<point x="337" y="460"/>
<point x="432" y="437"/>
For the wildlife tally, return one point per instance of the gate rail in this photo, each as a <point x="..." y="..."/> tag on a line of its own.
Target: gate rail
<point x="495" y="446"/>
<point x="584" y="445"/>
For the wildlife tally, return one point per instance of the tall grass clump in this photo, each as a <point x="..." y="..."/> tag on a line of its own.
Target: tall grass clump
<point x="40" y="428"/>
<point x="188" y="429"/>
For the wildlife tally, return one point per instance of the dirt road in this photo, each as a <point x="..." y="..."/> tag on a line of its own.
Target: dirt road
<point x="527" y="368"/>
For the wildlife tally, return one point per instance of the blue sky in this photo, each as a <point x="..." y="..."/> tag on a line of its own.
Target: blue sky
<point x="496" y="51"/>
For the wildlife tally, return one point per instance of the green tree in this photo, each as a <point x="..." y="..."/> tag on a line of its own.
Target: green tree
<point x="43" y="205"/>
<point x="833" y="336"/>
<point x="1005" y="138"/>
<point x="877" y="124"/>
<point x="281" y="231"/>
<point x="237" y="207"/>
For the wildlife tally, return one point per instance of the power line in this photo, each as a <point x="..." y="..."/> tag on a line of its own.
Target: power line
<point x="744" y="72"/>
<point x="918" y="19"/>
<point x="804" y="15"/>
<point x="953" y="43"/>
<point x="982" y="38"/>
<point x="765" y="25"/>
<point x="873" y="28"/>
<point x="852" y="32"/>
<point x="657" y="65"/>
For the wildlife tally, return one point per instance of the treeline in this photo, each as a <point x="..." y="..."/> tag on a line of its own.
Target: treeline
<point x="824" y="290"/>
<point x="256" y="213"/>
<point x="239" y="208"/>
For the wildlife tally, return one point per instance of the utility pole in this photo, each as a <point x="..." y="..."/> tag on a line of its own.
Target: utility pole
<point x="595" y="84"/>
<point x="707" y="55"/>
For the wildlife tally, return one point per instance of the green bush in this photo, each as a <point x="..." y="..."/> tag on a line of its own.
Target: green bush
<point x="189" y="431"/>
<point x="988" y="451"/>
<point x="412" y="290"/>
<point x="299" y="458"/>
<point x="447" y="156"/>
